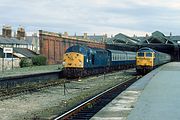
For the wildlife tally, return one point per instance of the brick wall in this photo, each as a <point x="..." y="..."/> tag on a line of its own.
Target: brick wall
<point x="53" y="45"/>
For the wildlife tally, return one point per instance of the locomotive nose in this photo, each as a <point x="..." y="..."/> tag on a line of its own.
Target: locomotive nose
<point x="73" y="60"/>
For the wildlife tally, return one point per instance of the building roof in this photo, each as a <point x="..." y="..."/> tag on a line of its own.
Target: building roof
<point x="174" y="38"/>
<point x="158" y="37"/>
<point x="121" y="38"/>
<point x="25" y="52"/>
<point x="97" y="38"/>
<point x="29" y="39"/>
<point x="4" y="40"/>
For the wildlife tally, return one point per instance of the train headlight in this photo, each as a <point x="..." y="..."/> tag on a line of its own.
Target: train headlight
<point x="64" y="63"/>
<point x="80" y="63"/>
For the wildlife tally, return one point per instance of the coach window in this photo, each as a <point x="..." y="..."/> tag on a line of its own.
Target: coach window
<point x="124" y="56"/>
<point x="127" y="56"/>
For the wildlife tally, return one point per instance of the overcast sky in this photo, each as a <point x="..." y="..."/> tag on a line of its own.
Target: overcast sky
<point x="93" y="16"/>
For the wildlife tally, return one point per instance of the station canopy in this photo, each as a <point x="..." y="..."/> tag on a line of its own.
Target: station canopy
<point x="158" y="37"/>
<point x="123" y="39"/>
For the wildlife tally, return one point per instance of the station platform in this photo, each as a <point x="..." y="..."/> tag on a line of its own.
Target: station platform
<point x="153" y="97"/>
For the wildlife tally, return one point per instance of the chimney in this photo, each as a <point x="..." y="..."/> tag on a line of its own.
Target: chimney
<point x="14" y="34"/>
<point x="20" y="33"/>
<point x="7" y="31"/>
<point x="85" y="35"/>
<point x="134" y="36"/>
<point x="66" y="34"/>
<point x="105" y="35"/>
<point x="170" y="35"/>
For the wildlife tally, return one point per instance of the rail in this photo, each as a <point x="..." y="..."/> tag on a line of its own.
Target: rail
<point x="92" y="103"/>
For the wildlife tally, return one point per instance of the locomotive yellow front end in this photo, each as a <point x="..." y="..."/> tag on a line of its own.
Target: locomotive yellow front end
<point x="144" y="61"/>
<point x="73" y="64"/>
<point x="73" y="60"/>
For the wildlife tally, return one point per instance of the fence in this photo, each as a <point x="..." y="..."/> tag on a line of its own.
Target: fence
<point x="9" y="63"/>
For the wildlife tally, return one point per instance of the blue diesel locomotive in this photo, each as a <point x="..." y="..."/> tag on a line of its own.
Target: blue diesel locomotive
<point x="80" y="61"/>
<point x="148" y="59"/>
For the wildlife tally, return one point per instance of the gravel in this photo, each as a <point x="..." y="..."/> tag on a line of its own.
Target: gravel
<point x="51" y="101"/>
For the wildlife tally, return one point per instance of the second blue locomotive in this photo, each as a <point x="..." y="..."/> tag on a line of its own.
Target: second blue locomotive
<point x="82" y="61"/>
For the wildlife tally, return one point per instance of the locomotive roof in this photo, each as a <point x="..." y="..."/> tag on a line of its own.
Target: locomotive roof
<point x="83" y="49"/>
<point x="147" y="49"/>
<point x="97" y="49"/>
<point x="120" y="51"/>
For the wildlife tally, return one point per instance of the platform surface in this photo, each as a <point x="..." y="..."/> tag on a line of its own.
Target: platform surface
<point x="160" y="100"/>
<point x="121" y="106"/>
<point x="156" y="96"/>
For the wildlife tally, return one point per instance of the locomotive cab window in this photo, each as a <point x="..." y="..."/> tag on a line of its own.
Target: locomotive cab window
<point x="148" y="54"/>
<point x="141" y="54"/>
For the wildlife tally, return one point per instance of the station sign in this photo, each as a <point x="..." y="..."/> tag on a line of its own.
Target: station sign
<point x="8" y="50"/>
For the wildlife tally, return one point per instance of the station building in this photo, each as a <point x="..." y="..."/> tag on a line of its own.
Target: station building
<point x="21" y="46"/>
<point x="18" y="44"/>
<point x="162" y="43"/>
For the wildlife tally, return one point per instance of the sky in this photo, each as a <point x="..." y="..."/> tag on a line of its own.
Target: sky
<point x="129" y="17"/>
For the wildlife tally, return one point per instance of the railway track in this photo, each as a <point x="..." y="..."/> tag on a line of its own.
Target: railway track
<point x="8" y="93"/>
<point x="90" y="107"/>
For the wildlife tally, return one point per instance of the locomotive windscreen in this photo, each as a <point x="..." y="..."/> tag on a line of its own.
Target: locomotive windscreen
<point x="77" y="48"/>
<point x="141" y="54"/>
